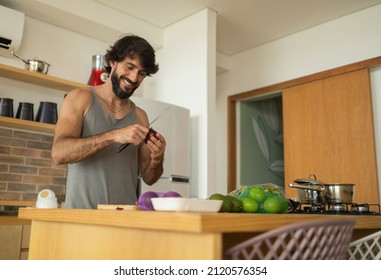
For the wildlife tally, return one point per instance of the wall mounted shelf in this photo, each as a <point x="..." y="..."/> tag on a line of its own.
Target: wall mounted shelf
<point x="27" y="125"/>
<point x="35" y="78"/>
<point x="23" y="75"/>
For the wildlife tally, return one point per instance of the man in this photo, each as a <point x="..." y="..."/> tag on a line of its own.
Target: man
<point x="94" y="122"/>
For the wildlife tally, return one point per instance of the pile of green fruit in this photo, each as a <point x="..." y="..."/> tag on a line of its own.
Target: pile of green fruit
<point x="229" y="203"/>
<point x="253" y="199"/>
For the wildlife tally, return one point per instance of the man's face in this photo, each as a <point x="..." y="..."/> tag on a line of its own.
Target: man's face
<point x="126" y="77"/>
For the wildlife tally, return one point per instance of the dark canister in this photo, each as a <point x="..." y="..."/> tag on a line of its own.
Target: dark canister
<point x="25" y="111"/>
<point x="6" y="107"/>
<point x="47" y="113"/>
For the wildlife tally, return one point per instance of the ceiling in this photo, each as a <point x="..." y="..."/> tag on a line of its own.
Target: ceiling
<point x="241" y="24"/>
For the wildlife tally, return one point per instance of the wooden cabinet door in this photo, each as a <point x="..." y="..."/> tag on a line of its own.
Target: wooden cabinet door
<point x="25" y="242"/>
<point x="10" y="242"/>
<point x="328" y="131"/>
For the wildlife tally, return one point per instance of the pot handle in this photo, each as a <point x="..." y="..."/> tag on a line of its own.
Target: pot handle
<point x="314" y="188"/>
<point x="19" y="57"/>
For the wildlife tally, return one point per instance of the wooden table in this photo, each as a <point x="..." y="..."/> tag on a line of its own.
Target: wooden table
<point x="111" y="234"/>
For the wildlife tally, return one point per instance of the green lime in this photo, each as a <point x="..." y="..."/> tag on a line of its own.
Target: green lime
<point x="284" y="202"/>
<point x="249" y="205"/>
<point x="258" y="194"/>
<point x="272" y="205"/>
<point x="217" y="196"/>
<point x="276" y="192"/>
<point x="227" y="205"/>
<point x="236" y="203"/>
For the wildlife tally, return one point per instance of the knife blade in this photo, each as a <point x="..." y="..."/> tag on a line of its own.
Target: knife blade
<point x="159" y="116"/>
<point x="123" y="146"/>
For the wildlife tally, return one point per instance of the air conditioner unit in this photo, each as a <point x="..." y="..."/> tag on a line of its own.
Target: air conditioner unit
<point x="11" y="30"/>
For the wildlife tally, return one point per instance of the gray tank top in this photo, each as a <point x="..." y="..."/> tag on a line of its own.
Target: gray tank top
<point x="107" y="177"/>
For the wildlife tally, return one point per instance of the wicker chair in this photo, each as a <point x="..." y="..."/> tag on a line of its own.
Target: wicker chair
<point x="312" y="240"/>
<point x="366" y="248"/>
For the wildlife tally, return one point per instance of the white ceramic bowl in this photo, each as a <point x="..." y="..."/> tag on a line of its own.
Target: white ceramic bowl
<point x="180" y="204"/>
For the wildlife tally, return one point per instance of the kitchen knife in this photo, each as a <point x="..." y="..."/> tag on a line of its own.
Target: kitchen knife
<point x="123" y="146"/>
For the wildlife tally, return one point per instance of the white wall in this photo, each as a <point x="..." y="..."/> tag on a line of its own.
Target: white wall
<point x="335" y="43"/>
<point x="69" y="53"/>
<point x="187" y="78"/>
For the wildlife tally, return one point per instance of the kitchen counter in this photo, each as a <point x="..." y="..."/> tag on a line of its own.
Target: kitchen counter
<point x="13" y="219"/>
<point x="113" y="234"/>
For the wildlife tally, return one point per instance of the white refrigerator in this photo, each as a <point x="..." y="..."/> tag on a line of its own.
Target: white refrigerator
<point x="174" y="125"/>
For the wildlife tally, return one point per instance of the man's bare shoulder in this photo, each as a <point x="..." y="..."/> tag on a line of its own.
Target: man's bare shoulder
<point x="83" y="92"/>
<point x="79" y="96"/>
<point x="77" y="100"/>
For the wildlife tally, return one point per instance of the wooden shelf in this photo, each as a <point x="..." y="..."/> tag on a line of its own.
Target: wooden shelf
<point x="23" y="75"/>
<point x="27" y="125"/>
<point x="35" y="78"/>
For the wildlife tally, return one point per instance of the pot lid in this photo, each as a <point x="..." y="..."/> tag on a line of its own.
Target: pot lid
<point x="311" y="180"/>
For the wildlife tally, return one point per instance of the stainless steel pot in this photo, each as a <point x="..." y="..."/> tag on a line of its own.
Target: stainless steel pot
<point x="34" y="65"/>
<point x="309" y="194"/>
<point x="313" y="191"/>
<point x="339" y="193"/>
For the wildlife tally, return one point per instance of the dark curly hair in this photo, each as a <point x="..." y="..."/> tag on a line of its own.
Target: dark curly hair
<point x="131" y="45"/>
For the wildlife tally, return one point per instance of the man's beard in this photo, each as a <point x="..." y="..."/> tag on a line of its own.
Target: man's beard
<point x="118" y="90"/>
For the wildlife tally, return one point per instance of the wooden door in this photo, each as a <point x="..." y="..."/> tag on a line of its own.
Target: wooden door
<point x="328" y="131"/>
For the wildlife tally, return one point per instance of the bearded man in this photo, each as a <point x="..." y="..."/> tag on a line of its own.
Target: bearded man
<point x="94" y="121"/>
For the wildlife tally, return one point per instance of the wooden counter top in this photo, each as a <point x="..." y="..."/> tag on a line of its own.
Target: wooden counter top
<point x="107" y="234"/>
<point x="186" y="222"/>
<point x="18" y="203"/>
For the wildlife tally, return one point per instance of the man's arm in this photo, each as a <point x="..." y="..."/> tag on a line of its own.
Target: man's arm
<point x="68" y="146"/>
<point x="151" y="159"/>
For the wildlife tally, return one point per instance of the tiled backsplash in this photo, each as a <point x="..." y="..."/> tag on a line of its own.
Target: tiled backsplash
<point x="26" y="166"/>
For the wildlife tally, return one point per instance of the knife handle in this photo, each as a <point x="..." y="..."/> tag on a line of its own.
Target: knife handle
<point x="122" y="147"/>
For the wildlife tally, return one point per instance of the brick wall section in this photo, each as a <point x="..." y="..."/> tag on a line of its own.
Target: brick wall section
<point x="26" y="166"/>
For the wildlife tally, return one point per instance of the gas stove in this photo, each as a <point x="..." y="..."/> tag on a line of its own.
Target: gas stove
<point x="335" y="208"/>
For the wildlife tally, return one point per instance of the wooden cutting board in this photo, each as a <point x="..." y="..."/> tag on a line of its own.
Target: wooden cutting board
<point x="118" y="207"/>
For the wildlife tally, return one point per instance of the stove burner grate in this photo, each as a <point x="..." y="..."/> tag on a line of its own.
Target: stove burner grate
<point x="337" y="208"/>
